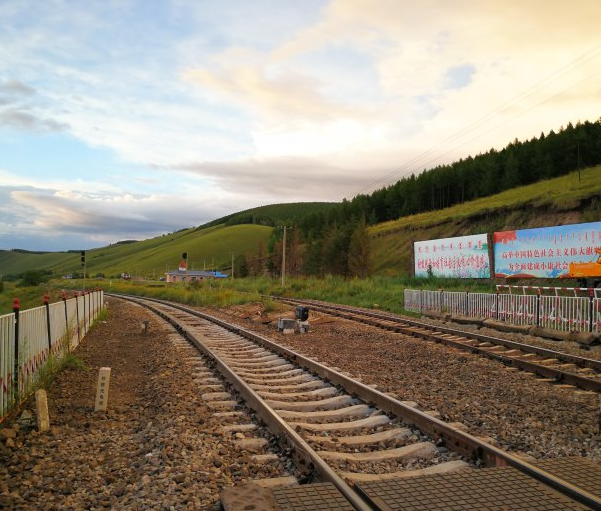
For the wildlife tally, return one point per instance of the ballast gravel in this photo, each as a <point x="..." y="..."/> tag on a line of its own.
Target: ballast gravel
<point x="510" y="408"/>
<point x="159" y="446"/>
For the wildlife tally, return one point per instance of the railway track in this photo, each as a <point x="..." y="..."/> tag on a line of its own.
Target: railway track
<point x="554" y="366"/>
<point x="344" y="432"/>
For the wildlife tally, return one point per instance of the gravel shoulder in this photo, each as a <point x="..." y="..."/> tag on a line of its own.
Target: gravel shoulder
<point x="158" y="446"/>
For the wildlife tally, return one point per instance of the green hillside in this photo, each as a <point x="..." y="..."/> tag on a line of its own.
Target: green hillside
<point x="211" y="247"/>
<point x="274" y="214"/>
<point x="559" y="201"/>
<point x="562" y="200"/>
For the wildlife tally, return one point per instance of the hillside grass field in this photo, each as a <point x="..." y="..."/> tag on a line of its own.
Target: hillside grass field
<point x="558" y="201"/>
<point x="211" y="248"/>
<point x="562" y="200"/>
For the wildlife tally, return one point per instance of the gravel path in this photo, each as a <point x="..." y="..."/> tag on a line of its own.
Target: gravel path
<point x="159" y="446"/>
<point x="512" y="408"/>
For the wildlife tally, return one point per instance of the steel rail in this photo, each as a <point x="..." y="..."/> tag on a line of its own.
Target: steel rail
<point x="455" y="439"/>
<point x="558" y="375"/>
<point x="275" y="424"/>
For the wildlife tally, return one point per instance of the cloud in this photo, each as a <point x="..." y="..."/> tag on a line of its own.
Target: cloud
<point x="286" y="179"/>
<point x="23" y="119"/>
<point x="20" y="109"/>
<point x="95" y="218"/>
<point x="232" y="105"/>
<point x="16" y="88"/>
<point x="278" y="94"/>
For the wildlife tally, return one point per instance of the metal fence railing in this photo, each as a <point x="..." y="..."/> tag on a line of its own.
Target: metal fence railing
<point x="29" y="338"/>
<point x="481" y="305"/>
<point x="596" y="316"/>
<point x="517" y="309"/>
<point x="7" y="357"/>
<point x="564" y="313"/>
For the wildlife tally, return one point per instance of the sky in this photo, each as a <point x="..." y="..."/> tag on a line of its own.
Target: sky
<point x="128" y="119"/>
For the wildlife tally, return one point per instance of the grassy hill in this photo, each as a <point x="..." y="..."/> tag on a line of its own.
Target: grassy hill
<point x="206" y="248"/>
<point x="209" y="246"/>
<point x="558" y="201"/>
<point x="562" y="200"/>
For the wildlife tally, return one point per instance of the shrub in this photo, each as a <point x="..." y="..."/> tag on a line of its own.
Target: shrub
<point x="32" y="278"/>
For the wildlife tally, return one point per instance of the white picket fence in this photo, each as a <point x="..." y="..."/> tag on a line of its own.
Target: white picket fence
<point x="41" y="332"/>
<point x="565" y="313"/>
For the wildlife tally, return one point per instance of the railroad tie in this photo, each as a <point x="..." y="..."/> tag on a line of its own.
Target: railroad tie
<point x="441" y="468"/>
<point x="424" y="450"/>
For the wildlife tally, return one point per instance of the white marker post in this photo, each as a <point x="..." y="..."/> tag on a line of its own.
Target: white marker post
<point x="41" y="409"/>
<point x="102" y="391"/>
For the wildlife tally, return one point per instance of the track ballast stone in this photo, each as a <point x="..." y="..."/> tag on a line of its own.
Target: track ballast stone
<point x="159" y="446"/>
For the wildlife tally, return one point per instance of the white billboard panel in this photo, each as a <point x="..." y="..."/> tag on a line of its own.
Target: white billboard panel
<point x="463" y="257"/>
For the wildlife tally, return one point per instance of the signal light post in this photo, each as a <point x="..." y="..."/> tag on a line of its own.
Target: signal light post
<point x="83" y="263"/>
<point x="185" y="258"/>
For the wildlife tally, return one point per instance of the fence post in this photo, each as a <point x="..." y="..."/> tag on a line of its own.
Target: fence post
<point x="16" y="308"/>
<point x="538" y="307"/>
<point x="421" y="301"/>
<point x="47" y="305"/>
<point x="441" y="298"/>
<point x="467" y="303"/>
<point x="85" y="317"/>
<point x="497" y="305"/>
<point x="591" y="311"/>
<point x="66" y="315"/>
<point x="76" y="295"/>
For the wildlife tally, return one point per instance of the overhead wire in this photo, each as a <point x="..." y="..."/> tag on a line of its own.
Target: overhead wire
<point x="549" y="79"/>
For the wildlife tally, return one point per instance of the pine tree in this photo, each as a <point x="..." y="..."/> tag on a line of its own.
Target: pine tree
<point x="359" y="257"/>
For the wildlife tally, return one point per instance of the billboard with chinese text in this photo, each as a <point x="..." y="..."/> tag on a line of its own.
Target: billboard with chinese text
<point x="546" y="252"/>
<point x="462" y="257"/>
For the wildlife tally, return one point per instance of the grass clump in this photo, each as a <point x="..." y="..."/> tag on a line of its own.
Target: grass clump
<point x="64" y="360"/>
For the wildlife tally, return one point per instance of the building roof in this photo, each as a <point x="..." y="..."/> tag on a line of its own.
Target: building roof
<point x="197" y="273"/>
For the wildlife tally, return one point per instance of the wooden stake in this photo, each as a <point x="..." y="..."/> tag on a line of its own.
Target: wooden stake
<point x="41" y="408"/>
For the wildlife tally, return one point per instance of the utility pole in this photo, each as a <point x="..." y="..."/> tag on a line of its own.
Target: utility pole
<point x="232" y="266"/>
<point x="284" y="257"/>
<point x="579" y="162"/>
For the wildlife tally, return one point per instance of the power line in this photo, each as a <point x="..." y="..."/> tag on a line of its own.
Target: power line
<point x="549" y="79"/>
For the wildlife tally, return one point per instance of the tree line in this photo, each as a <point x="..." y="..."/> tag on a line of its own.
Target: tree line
<point x="336" y="241"/>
